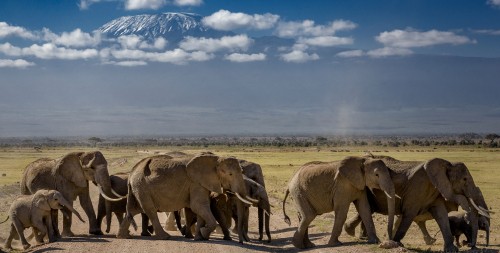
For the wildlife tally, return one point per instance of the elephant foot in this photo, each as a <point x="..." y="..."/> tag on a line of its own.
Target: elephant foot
<point x="67" y="233"/>
<point x="163" y="237"/>
<point x="298" y="241"/>
<point x="389" y="245"/>
<point x="96" y="232"/>
<point x="198" y="237"/>
<point x="205" y="233"/>
<point x="26" y="246"/>
<point x="350" y="230"/>
<point x="145" y="233"/>
<point x="373" y="240"/>
<point x="334" y="243"/>
<point x="429" y="240"/>
<point x="123" y="235"/>
<point x="227" y="238"/>
<point x="8" y="247"/>
<point x="151" y="229"/>
<point x="450" y="248"/>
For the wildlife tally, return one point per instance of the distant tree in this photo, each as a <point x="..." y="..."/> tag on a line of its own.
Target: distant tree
<point x="492" y="138"/>
<point x="94" y="141"/>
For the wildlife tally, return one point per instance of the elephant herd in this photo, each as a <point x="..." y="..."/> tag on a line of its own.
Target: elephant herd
<point x="212" y="190"/>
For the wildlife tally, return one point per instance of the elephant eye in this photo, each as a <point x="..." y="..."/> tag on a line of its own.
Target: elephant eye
<point x="230" y="174"/>
<point x="376" y="174"/>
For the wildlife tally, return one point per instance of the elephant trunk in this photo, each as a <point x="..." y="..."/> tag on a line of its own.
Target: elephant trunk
<point x="487" y="228"/>
<point x="104" y="184"/>
<point x="265" y="208"/>
<point x="388" y="187"/>
<point x="66" y="204"/>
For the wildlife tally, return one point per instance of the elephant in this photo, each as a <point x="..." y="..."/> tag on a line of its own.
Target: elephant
<point x="321" y="187"/>
<point x="119" y="208"/>
<point x="459" y="224"/>
<point x="70" y="175"/>
<point x="428" y="190"/>
<point x="35" y="211"/>
<point x="254" y="172"/>
<point x="164" y="183"/>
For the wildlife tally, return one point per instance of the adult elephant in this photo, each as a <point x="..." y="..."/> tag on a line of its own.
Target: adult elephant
<point x="429" y="189"/>
<point x="70" y="175"/>
<point x="165" y="184"/>
<point x="322" y="187"/>
<point x="254" y="172"/>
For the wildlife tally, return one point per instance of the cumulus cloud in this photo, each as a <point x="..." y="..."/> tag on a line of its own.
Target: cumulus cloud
<point x="225" y="20"/>
<point x="7" y="30"/>
<point x="176" y="56"/>
<point x="494" y="3"/>
<point x="76" y="38"/>
<point x="351" y="54"/>
<point x="308" y="28"/>
<point x="144" y="4"/>
<point x="231" y="43"/>
<point x="48" y="51"/>
<point x="127" y="63"/>
<point x="237" y="57"/>
<point x="19" y="63"/>
<point x="487" y="31"/>
<point x="326" y="41"/>
<point x="389" y="51"/>
<point x="136" y="41"/>
<point x="410" y="38"/>
<point x="188" y="2"/>
<point x="298" y="56"/>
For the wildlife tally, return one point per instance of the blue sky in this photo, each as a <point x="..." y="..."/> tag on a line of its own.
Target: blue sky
<point x="381" y="67"/>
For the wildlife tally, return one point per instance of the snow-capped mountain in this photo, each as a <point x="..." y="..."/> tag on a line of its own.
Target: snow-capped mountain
<point x="172" y="26"/>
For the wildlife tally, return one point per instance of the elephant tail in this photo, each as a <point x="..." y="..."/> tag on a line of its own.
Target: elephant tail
<point x="5" y="220"/>
<point x="131" y="203"/>
<point x="286" y="218"/>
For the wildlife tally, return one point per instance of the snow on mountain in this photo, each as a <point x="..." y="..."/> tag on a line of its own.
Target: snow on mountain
<point x="170" y="25"/>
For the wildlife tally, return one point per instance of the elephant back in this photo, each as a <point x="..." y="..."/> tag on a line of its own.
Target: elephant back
<point x="35" y="175"/>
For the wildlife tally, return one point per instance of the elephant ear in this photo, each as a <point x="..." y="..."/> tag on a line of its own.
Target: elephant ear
<point x="436" y="170"/>
<point x="352" y="168"/>
<point x="70" y="168"/>
<point x="40" y="200"/>
<point x="202" y="169"/>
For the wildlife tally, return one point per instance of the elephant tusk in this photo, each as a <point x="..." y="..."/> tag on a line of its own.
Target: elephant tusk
<point x="106" y="197"/>
<point x="255" y="201"/>
<point x="387" y="194"/>
<point x="397" y="196"/>
<point x="242" y="200"/>
<point x="486" y="210"/>
<point x="482" y="212"/>
<point x="118" y="195"/>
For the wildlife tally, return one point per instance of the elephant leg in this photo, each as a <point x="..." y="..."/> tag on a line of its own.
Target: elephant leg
<point x="145" y="226"/>
<point x="123" y="231"/>
<point x="307" y="215"/>
<point x="351" y="224"/>
<point x="427" y="237"/>
<point x="20" y="231"/>
<point x="260" y="214"/>
<point x="201" y="206"/>
<point x="86" y="204"/>
<point x="397" y="223"/>
<point x="41" y="227"/>
<point x="119" y="217"/>
<point x="159" y="232"/>
<point x="339" y="220"/>
<point x="67" y="219"/>
<point x="38" y="237"/>
<point x="440" y="214"/>
<point x="50" y="229"/>
<point x="54" y="214"/>
<point x="190" y="219"/>
<point x="406" y="220"/>
<point x="101" y="213"/>
<point x="363" y="207"/>
<point x="219" y="217"/>
<point x="8" y="241"/>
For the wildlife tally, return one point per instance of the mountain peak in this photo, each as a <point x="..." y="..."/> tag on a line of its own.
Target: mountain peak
<point x="170" y="25"/>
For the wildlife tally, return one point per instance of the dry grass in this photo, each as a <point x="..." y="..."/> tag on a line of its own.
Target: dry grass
<point x="279" y="164"/>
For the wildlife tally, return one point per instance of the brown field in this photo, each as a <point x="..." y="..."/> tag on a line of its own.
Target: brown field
<point x="278" y="165"/>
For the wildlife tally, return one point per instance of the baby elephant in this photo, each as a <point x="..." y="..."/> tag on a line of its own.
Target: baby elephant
<point x="459" y="225"/>
<point x="34" y="211"/>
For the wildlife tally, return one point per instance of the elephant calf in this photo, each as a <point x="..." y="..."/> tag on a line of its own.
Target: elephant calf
<point x="459" y="224"/>
<point x="34" y="211"/>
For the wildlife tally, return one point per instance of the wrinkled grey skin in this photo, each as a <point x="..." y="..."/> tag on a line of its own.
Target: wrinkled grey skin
<point x="254" y="172"/>
<point x="322" y="187"/>
<point x="69" y="175"/>
<point x="164" y="184"/>
<point x="106" y="208"/>
<point x="459" y="224"/>
<point x="427" y="190"/>
<point x="34" y="211"/>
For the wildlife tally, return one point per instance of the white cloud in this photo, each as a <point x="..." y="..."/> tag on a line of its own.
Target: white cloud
<point x="226" y="20"/>
<point x="176" y="56"/>
<point x="487" y="31"/>
<point x="144" y="4"/>
<point x="351" y="53"/>
<point x="409" y="38"/>
<point x="389" y="51"/>
<point x="236" y="57"/>
<point x="308" y="28"/>
<point x="188" y="2"/>
<point x="8" y="30"/>
<point x="19" y="63"/>
<point x="135" y="41"/>
<point x="76" y="38"/>
<point x="299" y="56"/>
<point x="48" y="51"/>
<point x="231" y="43"/>
<point x="494" y="2"/>
<point x="128" y="63"/>
<point x="326" y="41"/>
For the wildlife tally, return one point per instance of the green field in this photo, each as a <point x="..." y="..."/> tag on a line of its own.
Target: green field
<point x="279" y="165"/>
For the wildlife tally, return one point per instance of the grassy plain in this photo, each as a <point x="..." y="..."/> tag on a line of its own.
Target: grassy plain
<point x="279" y="164"/>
